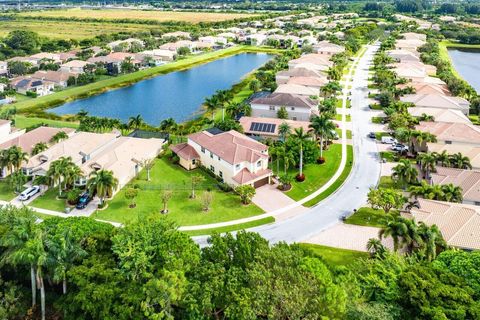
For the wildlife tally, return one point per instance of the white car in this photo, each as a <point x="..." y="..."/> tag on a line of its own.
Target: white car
<point x="28" y="193"/>
<point x="389" y="140"/>
<point x="399" y="148"/>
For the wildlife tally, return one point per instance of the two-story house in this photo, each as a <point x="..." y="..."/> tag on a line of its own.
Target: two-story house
<point x="299" y="107"/>
<point x="232" y="156"/>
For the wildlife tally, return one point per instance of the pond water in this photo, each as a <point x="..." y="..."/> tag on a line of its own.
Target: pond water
<point x="467" y="64"/>
<point x="178" y="95"/>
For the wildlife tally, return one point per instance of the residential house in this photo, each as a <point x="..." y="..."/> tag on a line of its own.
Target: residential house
<point x="125" y="45"/>
<point x="26" y="84"/>
<point x="283" y="77"/>
<point x="328" y="48"/>
<point x="427" y="88"/>
<point x="160" y="56"/>
<point x="113" y="61"/>
<point x="298" y="107"/>
<point x="46" y="56"/>
<point x="452" y="133"/>
<point x="428" y="69"/>
<point x="414" y="36"/>
<point x="313" y="61"/>
<point x="440" y="115"/>
<point x="174" y="46"/>
<point x="214" y="41"/>
<point x="467" y="180"/>
<point x="438" y="101"/>
<point x="409" y="45"/>
<point x="404" y="56"/>
<point x="7" y="132"/>
<point x="74" y="66"/>
<point x="255" y="39"/>
<point x="3" y="68"/>
<point x="58" y="78"/>
<point x="177" y="34"/>
<point x="268" y="128"/>
<point x="470" y="151"/>
<point x="232" y="156"/>
<point x="297" y="89"/>
<point x="32" y="61"/>
<point x="458" y="223"/>
<point x="310" y="82"/>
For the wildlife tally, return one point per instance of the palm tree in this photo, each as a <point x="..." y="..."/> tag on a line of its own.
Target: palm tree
<point x="301" y="136"/>
<point x="212" y="104"/>
<point x="288" y="159"/>
<point x="395" y="228"/>
<point x="423" y="137"/>
<point x="168" y="124"/>
<point x="427" y="163"/>
<point x="322" y="127"/>
<point x="452" y="193"/>
<point x="284" y="130"/>
<point x="148" y="164"/>
<point x="460" y="161"/>
<point x="17" y="157"/>
<point x="71" y="174"/>
<point x="405" y="173"/>
<point x="5" y="162"/>
<point x="39" y="147"/>
<point x="443" y="158"/>
<point x="375" y="247"/>
<point x="233" y="109"/>
<point x="135" y="122"/>
<point x="279" y="153"/>
<point x="59" y="136"/>
<point x="427" y="191"/>
<point x="58" y="170"/>
<point x="103" y="182"/>
<point x="82" y="114"/>
<point x="432" y="241"/>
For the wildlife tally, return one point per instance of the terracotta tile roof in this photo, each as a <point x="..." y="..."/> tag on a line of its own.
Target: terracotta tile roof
<point x="326" y="46"/>
<point x="308" y="81"/>
<point x="53" y="76"/>
<point x="185" y="151"/>
<point x="317" y="59"/>
<point x="457" y="132"/>
<point x="231" y="146"/>
<point x="427" y="88"/>
<point x="28" y="140"/>
<point x="302" y="72"/>
<point x="245" y="176"/>
<point x="440" y="115"/>
<point x="297" y="89"/>
<point x="287" y="100"/>
<point x="75" y="64"/>
<point x="468" y="180"/>
<point x="437" y="101"/>
<point x="470" y="151"/>
<point x="459" y="223"/>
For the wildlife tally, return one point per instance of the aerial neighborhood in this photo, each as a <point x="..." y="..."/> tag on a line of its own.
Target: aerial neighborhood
<point x="239" y="160"/>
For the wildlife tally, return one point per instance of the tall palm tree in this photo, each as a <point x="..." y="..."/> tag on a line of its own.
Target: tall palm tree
<point x="322" y="127"/>
<point x="59" y="136"/>
<point x="427" y="191"/>
<point x="284" y="130"/>
<point x="5" y="162"/>
<point x="427" y="163"/>
<point x="375" y="247"/>
<point x="452" y="193"/>
<point x="443" y="158"/>
<point x="212" y="104"/>
<point x="148" y="165"/>
<point x="395" y="228"/>
<point x="432" y="241"/>
<point x="103" y="182"/>
<point x="71" y="174"/>
<point x="300" y="137"/>
<point x="136" y="122"/>
<point x="39" y="147"/>
<point x="460" y="161"/>
<point x="405" y="173"/>
<point x="288" y="159"/>
<point x="17" y="157"/>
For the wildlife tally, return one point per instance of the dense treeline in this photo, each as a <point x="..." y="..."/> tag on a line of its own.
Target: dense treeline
<point x="85" y="269"/>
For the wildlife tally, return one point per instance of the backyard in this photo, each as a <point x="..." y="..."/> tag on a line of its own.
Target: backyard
<point x="6" y="193"/>
<point x="333" y="256"/>
<point x="183" y="210"/>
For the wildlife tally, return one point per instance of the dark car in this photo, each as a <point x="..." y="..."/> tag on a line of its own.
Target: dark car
<point x="372" y="135"/>
<point x="83" y="201"/>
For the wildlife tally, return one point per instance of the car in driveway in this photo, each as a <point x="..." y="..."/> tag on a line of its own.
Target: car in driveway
<point x="389" y="140"/>
<point x="28" y="193"/>
<point x="83" y="200"/>
<point x="399" y="148"/>
<point x="372" y="135"/>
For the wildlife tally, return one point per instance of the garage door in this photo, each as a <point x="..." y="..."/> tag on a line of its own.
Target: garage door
<point x="260" y="182"/>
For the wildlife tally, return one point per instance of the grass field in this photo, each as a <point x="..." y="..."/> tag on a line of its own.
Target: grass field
<point x="235" y="227"/>
<point x="23" y="122"/>
<point x="77" y="30"/>
<point x="334" y="256"/>
<point x="119" y="14"/>
<point x="49" y="201"/>
<point x="6" y="193"/>
<point x="368" y="217"/>
<point x="182" y="209"/>
<point x="98" y="87"/>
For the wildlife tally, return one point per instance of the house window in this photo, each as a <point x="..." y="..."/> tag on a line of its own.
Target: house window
<point x="212" y="168"/>
<point x="292" y="108"/>
<point x="448" y="142"/>
<point x="237" y="166"/>
<point x="220" y="174"/>
<point x="193" y="161"/>
<point x="218" y="158"/>
<point x="211" y="155"/>
<point x="203" y="149"/>
<point x="294" y="118"/>
<point x="272" y="108"/>
<point x="259" y="164"/>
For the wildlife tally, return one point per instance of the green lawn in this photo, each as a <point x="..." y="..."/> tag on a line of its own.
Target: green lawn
<point x="337" y="183"/>
<point x="316" y="174"/>
<point x="235" y="227"/>
<point x="183" y="210"/>
<point x="26" y="122"/>
<point x="379" y="135"/>
<point x="474" y="118"/>
<point x="334" y="256"/>
<point x="6" y="194"/>
<point x="348" y="117"/>
<point x="49" y="201"/>
<point x="389" y="156"/>
<point x="367" y="217"/>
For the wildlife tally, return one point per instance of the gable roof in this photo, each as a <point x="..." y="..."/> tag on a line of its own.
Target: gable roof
<point x="427" y="88"/>
<point x="29" y="139"/>
<point x="458" y="223"/>
<point x="297" y="89"/>
<point x="468" y="180"/>
<point x="301" y="72"/>
<point x="287" y="100"/>
<point x="231" y="146"/>
<point x="185" y="151"/>
<point x="470" y="151"/>
<point x="308" y="81"/>
<point x="440" y="115"/>
<point x="448" y="131"/>
<point x="437" y="101"/>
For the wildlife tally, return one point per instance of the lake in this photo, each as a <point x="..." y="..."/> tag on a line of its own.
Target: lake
<point x="467" y="64"/>
<point x="178" y="95"/>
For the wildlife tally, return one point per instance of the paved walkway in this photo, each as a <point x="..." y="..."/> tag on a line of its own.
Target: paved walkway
<point x="348" y="236"/>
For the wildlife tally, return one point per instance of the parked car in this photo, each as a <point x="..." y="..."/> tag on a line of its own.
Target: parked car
<point x="84" y="200"/>
<point x="399" y="148"/>
<point x="28" y="193"/>
<point x="372" y="135"/>
<point x="389" y="140"/>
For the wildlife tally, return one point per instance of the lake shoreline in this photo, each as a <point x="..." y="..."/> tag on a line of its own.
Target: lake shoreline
<point x="446" y="46"/>
<point x="38" y="106"/>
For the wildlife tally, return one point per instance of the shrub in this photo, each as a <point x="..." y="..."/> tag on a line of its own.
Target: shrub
<point x="225" y="187"/>
<point x="73" y="195"/>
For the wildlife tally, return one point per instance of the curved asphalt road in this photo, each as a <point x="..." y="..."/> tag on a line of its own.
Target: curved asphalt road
<point x="353" y="194"/>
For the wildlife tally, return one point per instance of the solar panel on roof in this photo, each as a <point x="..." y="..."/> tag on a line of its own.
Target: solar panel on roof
<point x="263" y="127"/>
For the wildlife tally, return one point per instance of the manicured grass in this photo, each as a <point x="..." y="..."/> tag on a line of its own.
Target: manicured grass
<point x="367" y="217"/>
<point x="338" y="183"/>
<point x="182" y="209"/>
<point x="149" y="15"/>
<point x="69" y="94"/>
<point x="387" y="182"/>
<point x="389" y="156"/>
<point x="235" y="227"/>
<point x="474" y="118"/>
<point x="49" y="201"/>
<point x="376" y="106"/>
<point x="22" y="122"/>
<point x="379" y="135"/>
<point x="334" y="256"/>
<point x="6" y="194"/>
<point x="377" y="120"/>
<point x="348" y="132"/>
<point x="316" y="174"/>
<point x="348" y="117"/>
